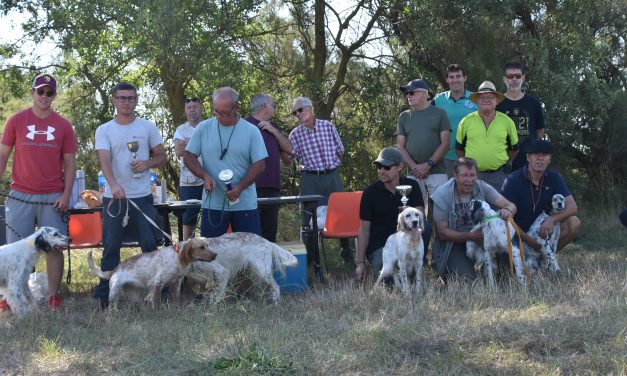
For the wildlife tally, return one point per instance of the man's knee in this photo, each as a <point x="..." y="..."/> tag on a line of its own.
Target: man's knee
<point x="570" y="226"/>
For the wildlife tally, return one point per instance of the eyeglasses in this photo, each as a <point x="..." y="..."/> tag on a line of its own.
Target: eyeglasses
<point x="412" y="92"/>
<point x="187" y="100"/>
<point x="386" y="168"/>
<point x="49" y="93"/>
<point x="514" y="75"/>
<point x="223" y="113"/>
<point x="130" y="99"/>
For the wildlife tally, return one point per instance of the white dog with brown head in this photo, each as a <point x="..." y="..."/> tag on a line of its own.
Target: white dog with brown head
<point x="403" y="253"/>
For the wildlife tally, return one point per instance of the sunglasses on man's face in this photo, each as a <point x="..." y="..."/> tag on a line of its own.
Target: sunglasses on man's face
<point x="298" y="110"/>
<point x="386" y="168"/>
<point x="187" y="100"/>
<point x="49" y="93"/>
<point x="514" y="75"/>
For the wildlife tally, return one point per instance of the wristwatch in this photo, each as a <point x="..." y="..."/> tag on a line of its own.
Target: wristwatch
<point x="430" y="163"/>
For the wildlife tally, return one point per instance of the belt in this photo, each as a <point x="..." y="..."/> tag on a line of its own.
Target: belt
<point x="493" y="171"/>
<point x="321" y="172"/>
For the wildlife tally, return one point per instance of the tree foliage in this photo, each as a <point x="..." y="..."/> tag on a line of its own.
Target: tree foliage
<point x="349" y="57"/>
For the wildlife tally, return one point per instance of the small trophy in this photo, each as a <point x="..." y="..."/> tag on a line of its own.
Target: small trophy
<point x="404" y="190"/>
<point x="226" y="176"/>
<point x="133" y="146"/>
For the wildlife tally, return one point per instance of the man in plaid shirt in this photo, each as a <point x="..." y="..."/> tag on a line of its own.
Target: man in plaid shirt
<point x="318" y="149"/>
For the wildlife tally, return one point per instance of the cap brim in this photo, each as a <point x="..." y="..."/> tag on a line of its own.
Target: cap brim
<point x="42" y="85"/>
<point x="499" y="96"/>
<point x="384" y="162"/>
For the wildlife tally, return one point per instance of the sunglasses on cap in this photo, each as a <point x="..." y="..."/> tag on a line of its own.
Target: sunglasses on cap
<point x="187" y="100"/>
<point x="49" y="93"/>
<point x="514" y="75"/>
<point x="386" y="168"/>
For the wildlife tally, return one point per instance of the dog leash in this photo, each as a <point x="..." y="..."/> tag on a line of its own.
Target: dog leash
<point x="510" y="249"/>
<point x="126" y="216"/>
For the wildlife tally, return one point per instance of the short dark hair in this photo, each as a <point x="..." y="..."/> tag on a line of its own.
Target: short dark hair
<point x="464" y="161"/>
<point x="123" y="86"/>
<point x="514" y="65"/>
<point x="455" y="68"/>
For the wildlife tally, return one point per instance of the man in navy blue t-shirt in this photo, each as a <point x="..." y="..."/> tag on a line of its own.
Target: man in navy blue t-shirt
<point x="531" y="189"/>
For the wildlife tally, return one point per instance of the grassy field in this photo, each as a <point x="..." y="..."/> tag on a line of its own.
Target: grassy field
<point x="574" y="323"/>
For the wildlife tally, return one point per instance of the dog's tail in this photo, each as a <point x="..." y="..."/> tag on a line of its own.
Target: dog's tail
<point x="96" y="270"/>
<point x="282" y="258"/>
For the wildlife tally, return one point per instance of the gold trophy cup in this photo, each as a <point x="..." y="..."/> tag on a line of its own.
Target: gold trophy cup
<point x="133" y="147"/>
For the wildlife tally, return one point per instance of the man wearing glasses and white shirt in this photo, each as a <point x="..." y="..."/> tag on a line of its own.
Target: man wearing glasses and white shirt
<point x="190" y="185"/>
<point x="423" y="136"/>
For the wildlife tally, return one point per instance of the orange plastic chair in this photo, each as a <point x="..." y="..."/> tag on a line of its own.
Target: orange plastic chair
<point x="342" y="218"/>
<point x="85" y="230"/>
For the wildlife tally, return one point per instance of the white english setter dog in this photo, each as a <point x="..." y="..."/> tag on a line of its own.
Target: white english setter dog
<point x="152" y="271"/>
<point x="403" y="253"/>
<point x="547" y="258"/>
<point x="235" y="252"/>
<point x="17" y="261"/>
<point x="494" y="241"/>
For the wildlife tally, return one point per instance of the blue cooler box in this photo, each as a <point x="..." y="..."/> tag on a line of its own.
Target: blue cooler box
<point x="295" y="279"/>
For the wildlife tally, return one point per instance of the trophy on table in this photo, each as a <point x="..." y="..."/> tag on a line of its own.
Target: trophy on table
<point x="403" y="190"/>
<point x="133" y="147"/>
<point x="226" y="176"/>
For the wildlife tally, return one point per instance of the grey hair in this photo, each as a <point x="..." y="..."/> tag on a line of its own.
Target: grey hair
<point x="303" y="101"/>
<point x="226" y="93"/>
<point x="258" y="101"/>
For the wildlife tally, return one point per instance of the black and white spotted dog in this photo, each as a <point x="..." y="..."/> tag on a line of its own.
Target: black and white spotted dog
<point x="546" y="259"/>
<point x="494" y="241"/>
<point x="17" y="261"/>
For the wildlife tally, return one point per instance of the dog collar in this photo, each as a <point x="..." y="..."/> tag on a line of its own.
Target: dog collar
<point x="490" y="218"/>
<point x="30" y="242"/>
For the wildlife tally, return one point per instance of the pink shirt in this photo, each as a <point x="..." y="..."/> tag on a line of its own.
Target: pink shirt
<point x="39" y="148"/>
<point x="317" y="149"/>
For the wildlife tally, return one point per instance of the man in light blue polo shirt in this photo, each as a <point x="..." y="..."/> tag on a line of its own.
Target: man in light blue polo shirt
<point x="227" y="142"/>
<point x="457" y="104"/>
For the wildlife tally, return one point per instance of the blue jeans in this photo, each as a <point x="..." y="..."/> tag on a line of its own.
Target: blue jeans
<point x="190" y="216"/>
<point x="113" y="233"/>
<point x="216" y="222"/>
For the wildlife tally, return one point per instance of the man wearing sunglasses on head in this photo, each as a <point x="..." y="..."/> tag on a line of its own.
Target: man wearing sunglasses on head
<point x="190" y="185"/>
<point x="525" y="110"/>
<point x="379" y="208"/>
<point x="423" y="135"/>
<point x="44" y="165"/>
<point x="318" y="149"/>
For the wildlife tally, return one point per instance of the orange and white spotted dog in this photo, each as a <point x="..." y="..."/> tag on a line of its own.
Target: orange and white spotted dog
<point x="152" y="271"/>
<point x="237" y="251"/>
<point x="403" y="253"/>
<point x="17" y="261"/>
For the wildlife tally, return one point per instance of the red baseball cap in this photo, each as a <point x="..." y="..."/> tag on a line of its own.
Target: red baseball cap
<point x="45" y="80"/>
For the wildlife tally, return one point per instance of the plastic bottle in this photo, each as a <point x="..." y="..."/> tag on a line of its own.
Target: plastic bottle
<point x="153" y="177"/>
<point x="101" y="181"/>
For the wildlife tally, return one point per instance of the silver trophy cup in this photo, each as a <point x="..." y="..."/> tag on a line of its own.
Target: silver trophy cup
<point x="133" y="147"/>
<point x="404" y="190"/>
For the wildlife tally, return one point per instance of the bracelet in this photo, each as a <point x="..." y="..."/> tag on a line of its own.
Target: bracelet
<point x="509" y="210"/>
<point x="361" y="262"/>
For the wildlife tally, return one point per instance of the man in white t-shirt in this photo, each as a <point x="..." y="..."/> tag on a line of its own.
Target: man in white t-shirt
<point x="128" y="179"/>
<point x="190" y="186"/>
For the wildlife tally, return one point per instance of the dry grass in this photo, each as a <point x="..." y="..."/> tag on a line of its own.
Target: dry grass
<point x="571" y="324"/>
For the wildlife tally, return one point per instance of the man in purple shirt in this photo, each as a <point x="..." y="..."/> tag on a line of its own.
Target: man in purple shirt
<point x="279" y="148"/>
<point x="318" y="149"/>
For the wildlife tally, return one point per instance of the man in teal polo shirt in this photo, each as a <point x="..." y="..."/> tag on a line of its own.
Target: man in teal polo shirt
<point x="457" y="104"/>
<point x="488" y="136"/>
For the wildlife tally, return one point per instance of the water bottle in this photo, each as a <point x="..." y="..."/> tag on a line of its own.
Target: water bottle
<point x="153" y="177"/>
<point x="101" y="181"/>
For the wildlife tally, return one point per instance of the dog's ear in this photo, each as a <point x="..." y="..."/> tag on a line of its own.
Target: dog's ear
<point x="400" y="223"/>
<point x="186" y="251"/>
<point x="41" y="243"/>
<point x="422" y="220"/>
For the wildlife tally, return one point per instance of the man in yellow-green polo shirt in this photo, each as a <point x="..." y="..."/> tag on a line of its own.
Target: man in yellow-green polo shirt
<point x="488" y="136"/>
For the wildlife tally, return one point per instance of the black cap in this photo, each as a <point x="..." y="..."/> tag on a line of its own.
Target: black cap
<point x="389" y="157"/>
<point x="540" y="146"/>
<point x="414" y="85"/>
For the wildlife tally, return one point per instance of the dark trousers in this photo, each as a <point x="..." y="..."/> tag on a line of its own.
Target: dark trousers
<point x="269" y="214"/>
